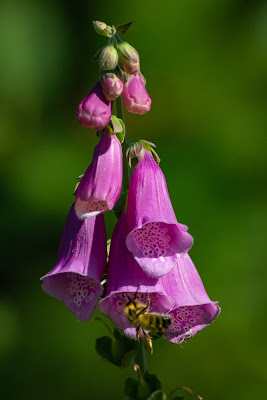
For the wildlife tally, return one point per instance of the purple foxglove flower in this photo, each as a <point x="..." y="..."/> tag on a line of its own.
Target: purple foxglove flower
<point x="100" y="186"/>
<point x="156" y="239"/>
<point x="112" y="86"/>
<point x="95" y="110"/>
<point x="135" y="97"/>
<point x="180" y="293"/>
<point x="193" y="309"/>
<point x="124" y="275"/>
<point x="80" y="265"/>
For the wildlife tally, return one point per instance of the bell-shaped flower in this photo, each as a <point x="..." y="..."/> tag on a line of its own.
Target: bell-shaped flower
<point x="193" y="309"/>
<point x="100" y="186"/>
<point x="95" y="110"/>
<point x="135" y="98"/>
<point x="178" y="295"/>
<point x="124" y="276"/>
<point x="156" y="239"/>
<point x="81" y="262"/>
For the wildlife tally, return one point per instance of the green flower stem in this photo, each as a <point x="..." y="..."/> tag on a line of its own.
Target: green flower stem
<point x="141" y="357"/>
<point x="126" y="168"/>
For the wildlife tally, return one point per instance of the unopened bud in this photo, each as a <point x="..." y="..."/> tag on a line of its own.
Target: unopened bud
<point x="95" y="110"/>
<point x="103" y="29"/>
<point x="108" y="58"/>
<point x="128" y="58"/>
<point x="112" y="86"/>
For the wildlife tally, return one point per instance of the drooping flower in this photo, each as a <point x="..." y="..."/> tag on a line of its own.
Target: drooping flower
<point x="156" y="239"/>
<point x="193" y="309"/>
<point x="124" y="275"/>
<point x="95" y="110"/>
<point x="135" y="98"/>
<point x="179" y="294"/>
<point x="100" y="186"/>
<point x="112" y="86"/>
<point x="81" y="261"/>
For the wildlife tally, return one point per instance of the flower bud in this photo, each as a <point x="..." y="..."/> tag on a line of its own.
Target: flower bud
<point x="135" y="97"/>
<point x="95" y="110"/>
<point x="108" y="58"/>
<point x="128" y="58"/>
<point x="112" y="86"/>
<point x="103" y="29"/>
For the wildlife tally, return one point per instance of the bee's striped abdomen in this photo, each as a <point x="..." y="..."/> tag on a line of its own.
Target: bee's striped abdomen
<point x="154" y="322"/>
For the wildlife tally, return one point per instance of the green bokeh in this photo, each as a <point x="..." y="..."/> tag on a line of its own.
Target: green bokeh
<point x="205" y="63"/>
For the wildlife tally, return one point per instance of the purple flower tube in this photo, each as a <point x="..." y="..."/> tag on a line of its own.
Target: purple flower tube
<point x="135" y="98"/>
<point x="81" y="262"/>
<point x="124" y="275"/>
<point x="95" y="110"/>
<point x="156" y="239"/>
<point x="193" y="309"/>
<point x="100" y="186"/>
<point x="179" y="294"/>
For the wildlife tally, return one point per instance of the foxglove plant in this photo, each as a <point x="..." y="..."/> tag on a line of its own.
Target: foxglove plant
<point x="152" y="286"/>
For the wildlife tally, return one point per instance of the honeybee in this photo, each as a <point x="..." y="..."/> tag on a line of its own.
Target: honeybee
<point x="138" y="315"/>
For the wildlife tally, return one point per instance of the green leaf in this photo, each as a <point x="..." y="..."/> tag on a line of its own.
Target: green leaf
<point x="128" y="358"/>
<point x="158" y="395"/>
<point x="120" y="136"/>
<point x="118" y="127"/>
<point x="97" y="54"/>
<point x="131" y="344"/>
<point x="122" y="29"/>
<point x="178" y="398"/>
<point x="103" y="347"/>
<point x="153" y="381"/>
<point x="131" y="387"/>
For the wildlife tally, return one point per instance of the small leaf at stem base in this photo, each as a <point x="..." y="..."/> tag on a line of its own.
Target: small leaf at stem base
<point x="97" y="55"/>
<point x="103" y="348"/>
<point x="122" y="29"/>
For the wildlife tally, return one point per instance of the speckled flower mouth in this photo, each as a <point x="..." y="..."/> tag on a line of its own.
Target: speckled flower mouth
<point x="156" y="246"/>
<point x="188" y="320"/>
<point x="79" y="293"/>
<point x="89" y="208"/>
<point x="153" y="239"/>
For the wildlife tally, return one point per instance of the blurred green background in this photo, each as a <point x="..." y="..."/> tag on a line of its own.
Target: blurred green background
<point x="205" y="63"/>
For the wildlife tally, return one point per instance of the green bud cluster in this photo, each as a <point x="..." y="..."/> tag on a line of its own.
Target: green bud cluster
<point x="118" y="54"/>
